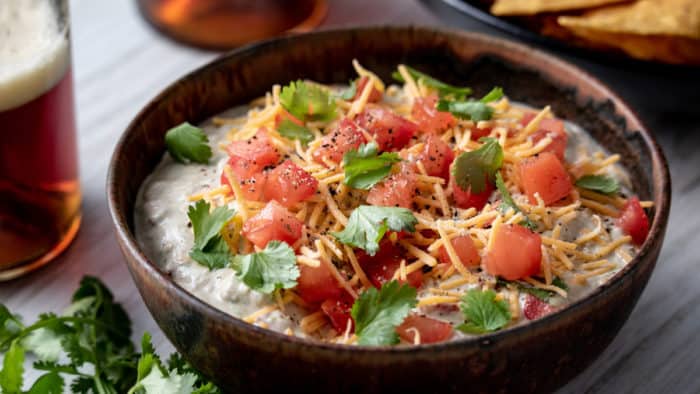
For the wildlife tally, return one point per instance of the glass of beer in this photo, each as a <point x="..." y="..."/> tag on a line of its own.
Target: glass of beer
<point x="225" y="24"/>
<point x="39" y="188"/>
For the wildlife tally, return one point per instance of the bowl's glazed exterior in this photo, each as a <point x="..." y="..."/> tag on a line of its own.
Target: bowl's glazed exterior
<point x="537" y="357"/>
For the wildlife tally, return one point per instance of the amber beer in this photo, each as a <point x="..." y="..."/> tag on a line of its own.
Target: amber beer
<point x="226" y="24"/>
<point x="39" y="189"/>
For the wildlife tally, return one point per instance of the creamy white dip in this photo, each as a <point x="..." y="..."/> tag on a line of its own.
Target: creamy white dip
<point x="164" y="233"/>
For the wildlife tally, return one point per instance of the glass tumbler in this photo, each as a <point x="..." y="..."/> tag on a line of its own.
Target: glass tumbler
<point x="39" y="187"/>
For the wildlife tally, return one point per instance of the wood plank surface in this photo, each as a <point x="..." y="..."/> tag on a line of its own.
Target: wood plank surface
<point x="120" y="63"/>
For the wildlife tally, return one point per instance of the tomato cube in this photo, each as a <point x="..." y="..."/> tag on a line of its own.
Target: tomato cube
<point x="430" y="330"/>
<point x="274" y="222"/>
<point x="634" y="221"/>
<point x="288" y="184"/>
<point x="544" y="174"/>
<point x="391" y="131"/>
<point x="344" y="137"/>
<point x="515" y="252"/>
<point x="465" y="249"/>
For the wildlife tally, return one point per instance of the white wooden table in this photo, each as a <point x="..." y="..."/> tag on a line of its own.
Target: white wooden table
<point x="120" y="63"/>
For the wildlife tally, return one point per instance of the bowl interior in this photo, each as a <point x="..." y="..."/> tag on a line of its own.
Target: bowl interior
<point x="526" y="75"/>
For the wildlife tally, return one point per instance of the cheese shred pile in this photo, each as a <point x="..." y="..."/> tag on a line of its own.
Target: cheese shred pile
<point x="593" y="250"/>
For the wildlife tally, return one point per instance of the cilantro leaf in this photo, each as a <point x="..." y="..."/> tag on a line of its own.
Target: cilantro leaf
<point x="187" y="143"/>
<point x="542" y="294"/>
<point x="508" y="203"/>
<point x="350" y="91"/>
<point x="293" y="131"/>
<point x="156" y="382"/>
<point x="483" y="312"/>
<point x="598" y="183"/>
<point x="10" y="325"/>
<point x="364" y="168"/>
<point x="368" y="224"/>
<point x="471" y="109"/>
<point x="474" y="168"/>
<point x="12" y="369"/>
<point x="377" y="313"/>
<point x="275" y="267"/>
<point x="443" y="88"/>
<point x="210" y="249"/>
<point x="307" y="101"/>
<point x="50" y="383"/>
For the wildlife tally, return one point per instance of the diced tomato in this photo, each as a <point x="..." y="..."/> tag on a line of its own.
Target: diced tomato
<point x="374" y="96"/>
<point x="536" y="308"/>
<point x="391" y="131"/>
<point x="274" y="222"/>
<point x="553" y="128"/>
<point x="428" y="118"/>
<point x="436" y="157"/>
<point x="634" y="221"/>
<point x="252" y="155"/>
<point x="284" y="115"/>
<point x="515" y="252"/>
<point x="338" y="312"/>
<point x="382" y="266"/>
<point x="252" y="185"/>
<point x="527" y="117"/>
<point x="544" y="174"/>
<point x="478" y="133"/>
<point x="396" y="191"/>
<point x="465" y="249"/>
<point x="430" y="330"/>
<point x="466" y="199"/>
<point x="344" y="137"/>
<point x="289" y="184"/>
<point x="316" y="284"/>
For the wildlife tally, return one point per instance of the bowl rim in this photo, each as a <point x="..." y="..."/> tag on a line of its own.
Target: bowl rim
<point x="660" y="175"/>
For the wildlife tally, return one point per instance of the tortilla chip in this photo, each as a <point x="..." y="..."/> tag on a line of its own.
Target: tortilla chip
<point x="532" y="7"/>
<point x="667" y="49"/>
<point x="645" y="17"/>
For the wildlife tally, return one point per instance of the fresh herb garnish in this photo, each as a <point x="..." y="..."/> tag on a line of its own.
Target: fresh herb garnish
<point x="483" y="312"/>
<point x="508" y="203"/>
<point x="542" y="294"/>
<point x="307" y="101"/>
<point x="443" y="88"/>
<point x="474" y="168"/>
<point x="365" y="168"/>
<point x="349" y="92"/>
<point x="275" y="267"/>
<point x="210" y="249"/>
<point x="368" y="224"/>
<point x="93" y="337"/>
<point x="471" y="109"/>
<point x="293" y="131"/>
<point x="187" y="143"/>
<point x="598" y="183"/>
<point x="377" y="313"/>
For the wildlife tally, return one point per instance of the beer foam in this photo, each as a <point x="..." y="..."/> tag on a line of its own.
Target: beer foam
<point x="34" y="50"/>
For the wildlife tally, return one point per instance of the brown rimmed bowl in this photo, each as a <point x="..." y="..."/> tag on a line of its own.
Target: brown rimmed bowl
<point x="537" y="357"/>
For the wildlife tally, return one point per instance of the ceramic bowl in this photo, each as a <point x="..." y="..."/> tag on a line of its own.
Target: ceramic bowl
<point x="536" y="357"/>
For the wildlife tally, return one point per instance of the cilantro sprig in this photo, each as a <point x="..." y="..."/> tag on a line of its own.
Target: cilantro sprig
<point x="599" y="183"/>
<point x="377" y="313"/>
<point x="508" y="203"/>
<point x="474" y="168"/>
<point x="210" y="249"/>
<point x="275" y="267"/>
<point x="93" y="337"/>
<point x="443" y="88"/>
<point x="307" y="101"/>
<point x="476" y="110"/>
<point x="368" y="224"/>
<point x="293" y="131"/>
<point x="187" y="143"/>
<point x="349" y="92"/>
<point x="483" y="312"/>
<point x="364" y="167"/>
<point x="542" y="294"/>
